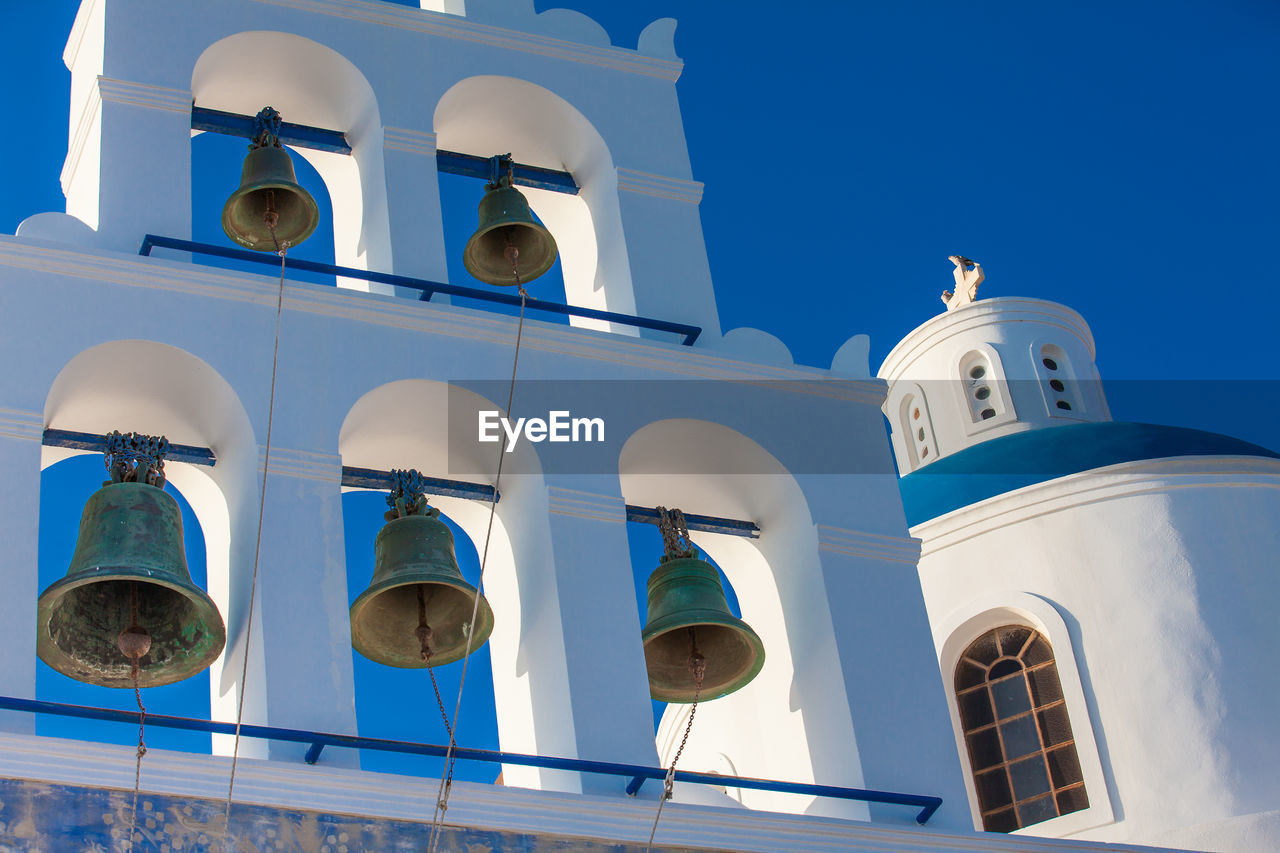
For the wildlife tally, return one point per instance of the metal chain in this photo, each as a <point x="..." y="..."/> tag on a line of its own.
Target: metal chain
<point x="142" y="750"/>
<point x="281" y="250"/>
<point x="446" y="779"/>
<point x="134" y="648"/>
<point x="431" y="670"/>
<point x="698" y="666"/>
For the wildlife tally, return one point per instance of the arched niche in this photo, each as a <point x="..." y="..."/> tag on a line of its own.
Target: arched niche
<point x="792" y="721"/>
<point x="488" y="115"/>
<point x="312" y="84"/>
<point x="157" y="389"/>
<point x="65" y="487"/>
<point x="405" y="424"/>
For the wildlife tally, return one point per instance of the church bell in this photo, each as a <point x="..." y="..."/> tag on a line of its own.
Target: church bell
<point x="417" y="610"/>
<point x="270" y="210"/>
<point x="509" y="247"/>
<point x="691" y="628"/>
<point x="128" y="595"/>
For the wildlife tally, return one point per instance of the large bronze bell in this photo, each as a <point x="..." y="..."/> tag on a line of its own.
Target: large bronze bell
<point x="270" y="210"/>
<point x="417" y="609"/>
<point x="128" y="574"/>
<point x="510" y="246"/>
<point x="690" y="628"/>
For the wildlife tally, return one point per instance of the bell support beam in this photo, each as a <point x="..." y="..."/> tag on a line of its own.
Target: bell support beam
<point x="98" y="444"/>
<point x="335" y="141"/>
<point x="426" y="288"/>
<point x="368" y="478"/>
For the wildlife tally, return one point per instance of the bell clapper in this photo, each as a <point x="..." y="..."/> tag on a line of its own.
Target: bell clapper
<point x="423" y="631"/>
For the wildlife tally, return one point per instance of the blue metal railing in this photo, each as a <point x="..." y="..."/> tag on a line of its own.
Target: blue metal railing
<point x="426" y="288"/>
<point x="637" y="773"/>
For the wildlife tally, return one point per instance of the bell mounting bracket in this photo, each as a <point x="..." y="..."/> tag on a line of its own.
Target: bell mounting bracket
<point x="136" y="458"/>
<point x="266" y="129"/>
<point x="501" y="171"/>
<point x="408" y="495"/>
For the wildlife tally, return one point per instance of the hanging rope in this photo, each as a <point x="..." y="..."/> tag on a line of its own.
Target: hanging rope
<point x="446" y="779"/>
<point x="271" y="218"/>
<point x="134" y="642"/>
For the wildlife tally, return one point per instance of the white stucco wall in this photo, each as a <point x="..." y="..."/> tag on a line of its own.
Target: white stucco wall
<point x="1154" y="582"/>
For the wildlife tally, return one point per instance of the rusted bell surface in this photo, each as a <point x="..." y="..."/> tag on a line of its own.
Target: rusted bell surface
<point x="506" y="221"/>
<point x="414" y="556"/>
<point x="268" y="183"/>
<point x="129" y="559"/>
<point x="684" y="593"/>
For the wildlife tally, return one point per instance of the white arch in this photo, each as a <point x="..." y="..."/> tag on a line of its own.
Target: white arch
<point x="793" y="721"/>
<point x="490" y="115"/>
<point x="406" y="424"/>
<point x="314" y="85"/>
<point x="157" y="389"/>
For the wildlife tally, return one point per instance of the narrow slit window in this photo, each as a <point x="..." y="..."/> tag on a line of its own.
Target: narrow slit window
<point x="1016" y="730"/>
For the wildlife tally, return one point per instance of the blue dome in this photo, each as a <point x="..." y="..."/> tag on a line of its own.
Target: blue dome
<point x="1026" y="458"/>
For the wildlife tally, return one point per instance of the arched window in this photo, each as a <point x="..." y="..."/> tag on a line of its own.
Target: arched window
<point x="1021" y="750"/>
<point x="916" y="430"/>
<point x="1058" y="381"/>
<point x="982" y="386"/>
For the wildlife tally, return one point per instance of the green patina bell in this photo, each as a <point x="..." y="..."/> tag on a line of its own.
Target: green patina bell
<point x="417" y="610"/>
<point x="508" y="235"/>
<point x="269" y="195"/>
<point x="128" y="579"/>
<point x="688" y="613"/>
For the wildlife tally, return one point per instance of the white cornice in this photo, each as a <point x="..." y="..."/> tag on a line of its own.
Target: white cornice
<point x="412" y="141"/>
<point x="452" y="26"/>
<point x="659" y="186"/>
<point x="282" y="784"/>
<point x="144" y="95"/>
<point x="579" y="504"/>
<point x="1128" y="479"/>
<point x="118" y="92"/>
<point x="856" y="543"/>
<point x="16" y="423"/>
<point x="984" y="312"/>
<point x="453" y="321"/>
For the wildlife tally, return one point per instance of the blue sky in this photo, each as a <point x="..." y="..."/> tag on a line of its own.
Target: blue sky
<point x="1117" y="157"/>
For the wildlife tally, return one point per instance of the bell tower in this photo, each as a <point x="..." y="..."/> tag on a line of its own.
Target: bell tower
<point x="277" y="395"/>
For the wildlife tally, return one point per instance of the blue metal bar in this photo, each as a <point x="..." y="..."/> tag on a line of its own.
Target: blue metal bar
<point x="98" y="444"/>
<point x="313" y="753"/>
<point x="705" y="523"/>
<point x="471" y="166"/>
<point x="427" y="288"/>
<point x="301" y="135"/>
<point x="368" y="478"/>
<point x="322" y="139"/>
<point x="318" y="740"/>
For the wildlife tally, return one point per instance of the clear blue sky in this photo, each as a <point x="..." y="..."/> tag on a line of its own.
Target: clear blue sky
<point x="1119" y="157"/>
